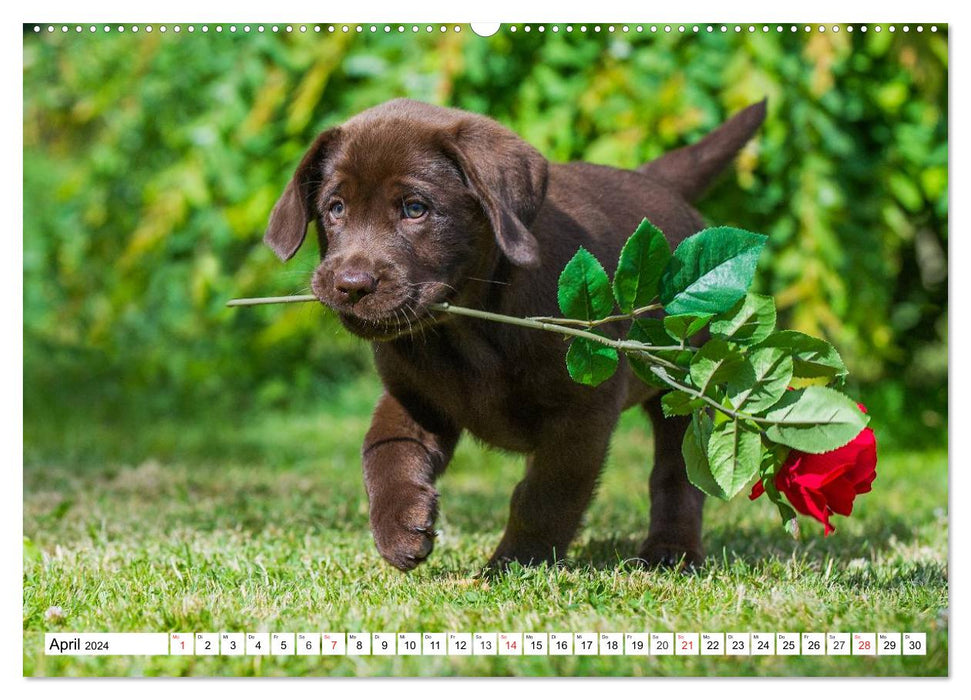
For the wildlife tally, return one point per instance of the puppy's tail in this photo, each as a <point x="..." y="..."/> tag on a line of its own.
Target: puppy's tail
<point x="691" y="169"/>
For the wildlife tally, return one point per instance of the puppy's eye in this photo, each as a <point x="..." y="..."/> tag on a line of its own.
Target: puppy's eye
<point x="414" y="210"/>
<point x="337" y="209"/>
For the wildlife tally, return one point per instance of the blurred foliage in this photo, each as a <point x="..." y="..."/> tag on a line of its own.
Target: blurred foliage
<point x="151" y="163"/>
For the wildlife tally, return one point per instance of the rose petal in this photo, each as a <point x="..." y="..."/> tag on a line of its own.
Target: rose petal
<point x="818" y="481"/>
<point x="811" y="504"/>
<point x="863" y="471"/>
<point x="839" y="497"/>
<point x="821" y="464"/>
<point x="866" y="486"/>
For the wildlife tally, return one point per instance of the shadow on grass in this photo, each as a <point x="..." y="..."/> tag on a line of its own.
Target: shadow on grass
<point x="750" y="549"/>
<point x="757" y="548"/>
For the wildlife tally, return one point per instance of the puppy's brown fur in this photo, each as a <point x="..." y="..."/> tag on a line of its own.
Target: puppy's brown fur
<point x="417" y="204"/>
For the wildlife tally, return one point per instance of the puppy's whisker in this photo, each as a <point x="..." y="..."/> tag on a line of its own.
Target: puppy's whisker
<point x="433" y="282"/>
<point x="421" y="326"/>
<point x="404" y="313"/>
<point x="397" y="318"/>
<point x="480" y="279"/>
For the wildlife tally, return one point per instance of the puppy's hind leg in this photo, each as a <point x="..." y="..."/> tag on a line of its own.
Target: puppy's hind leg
<point x="675" y="532"/>
<point x="547" y="506"/>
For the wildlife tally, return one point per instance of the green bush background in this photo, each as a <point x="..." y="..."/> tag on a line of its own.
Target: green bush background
<point x="151" y="163"/>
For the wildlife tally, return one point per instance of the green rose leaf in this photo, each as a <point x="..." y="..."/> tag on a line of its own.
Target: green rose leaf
<point x="734" y="453"/>
<point x="766" y="378"/>
<point x="642" y="261"/>
<point x="750" y="321"/>
<point x="651" y="332"/>
<point x="815" y="420"/>
<point x="678" y="403"/>
<point x="642" y="370"/>
<point x="716" y="362"/>
<point x="694" y="449"/>
<point x="590" y="362"/>
<point x="584" y="290"/>
<point x="683" y="326"/>
<point x="811" y="357"/>
<point x="786" y="512"/>
<point x="710" y="271"/>
<point x="773" y="457"/>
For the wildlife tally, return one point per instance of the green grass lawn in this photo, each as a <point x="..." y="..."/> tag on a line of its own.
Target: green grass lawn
<point x="264" y="528"/>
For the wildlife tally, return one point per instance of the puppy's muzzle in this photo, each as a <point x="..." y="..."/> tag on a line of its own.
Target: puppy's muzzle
<point x="353" y="285"/>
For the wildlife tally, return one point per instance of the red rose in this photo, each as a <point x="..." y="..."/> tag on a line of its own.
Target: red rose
<point x="819" y="485"/>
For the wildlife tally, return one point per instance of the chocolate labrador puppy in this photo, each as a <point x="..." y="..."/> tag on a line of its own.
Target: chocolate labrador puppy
<point x="416" y="204"/>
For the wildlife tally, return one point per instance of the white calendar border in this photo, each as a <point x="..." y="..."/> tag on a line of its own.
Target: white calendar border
<point x="508" y="10"/>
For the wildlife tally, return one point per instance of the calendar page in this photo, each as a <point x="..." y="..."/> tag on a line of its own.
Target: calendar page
<point x="544" y="320"/>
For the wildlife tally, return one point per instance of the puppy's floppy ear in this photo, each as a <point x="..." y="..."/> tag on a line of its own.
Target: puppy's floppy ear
<point x="294" y="210"/>
<point x="508" y="176"/>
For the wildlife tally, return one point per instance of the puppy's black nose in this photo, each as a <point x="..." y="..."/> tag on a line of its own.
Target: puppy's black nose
<point x="353" y="285"/>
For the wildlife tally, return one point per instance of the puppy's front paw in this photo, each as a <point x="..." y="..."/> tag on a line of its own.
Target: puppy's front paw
<point x="403" y="523"/>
